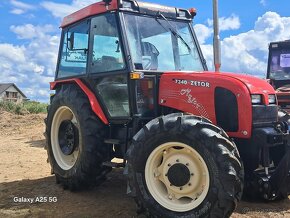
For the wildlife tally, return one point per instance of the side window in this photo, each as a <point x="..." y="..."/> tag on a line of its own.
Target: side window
<point x="107" y="50"/>
<point x="114" y="92"/>
<point x="73" y="60"/>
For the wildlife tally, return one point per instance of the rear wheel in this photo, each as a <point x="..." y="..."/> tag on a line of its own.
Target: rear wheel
<point x="183" y="166"/>
<point x="75" y="138"/>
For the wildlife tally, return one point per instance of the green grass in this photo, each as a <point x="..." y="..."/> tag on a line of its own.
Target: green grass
<point x="28" y="107"/>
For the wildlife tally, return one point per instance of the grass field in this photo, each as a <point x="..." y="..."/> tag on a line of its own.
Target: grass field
<point x="28" y="107"/>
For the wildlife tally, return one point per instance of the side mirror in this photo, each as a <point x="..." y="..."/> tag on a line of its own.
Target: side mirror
<point x="107" y="3"/>
<point x="70" y="41"/>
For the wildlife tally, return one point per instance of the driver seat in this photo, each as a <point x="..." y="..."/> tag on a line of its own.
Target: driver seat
<point x="149" y="56"/>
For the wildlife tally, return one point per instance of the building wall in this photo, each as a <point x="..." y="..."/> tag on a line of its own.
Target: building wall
<point x="19" y="97"/>
<point x="2" y="96"/>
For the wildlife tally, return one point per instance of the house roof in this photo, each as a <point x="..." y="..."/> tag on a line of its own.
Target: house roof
<point x="5" y="86"/>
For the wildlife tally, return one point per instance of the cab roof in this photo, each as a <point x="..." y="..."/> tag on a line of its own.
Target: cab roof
<point x="126" y="5"/>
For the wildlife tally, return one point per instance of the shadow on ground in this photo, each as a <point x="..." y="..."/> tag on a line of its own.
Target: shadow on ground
<point x="107" y="200"/>
<point x="36" y="143"/>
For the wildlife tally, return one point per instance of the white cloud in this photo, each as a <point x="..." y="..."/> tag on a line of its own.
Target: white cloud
<point x="247" y="52"/>
<point x="227" y="23"/>
<point x="202" y="32"/>
<point x="31" y="66"/>
<point x="20" y="7"/>
<point x="17" y="11"/>
<point x="29" y="31"/>
<point x="263" y="2"/>
<point x="60" y="10"/>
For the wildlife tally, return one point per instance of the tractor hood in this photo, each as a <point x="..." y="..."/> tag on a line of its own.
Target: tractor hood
<point x="209" y="94"/>
<point x="254" y="84"/>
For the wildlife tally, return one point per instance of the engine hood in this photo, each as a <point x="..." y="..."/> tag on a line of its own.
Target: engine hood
<point x="209" y="94"/>
<point x="254" y="84"/>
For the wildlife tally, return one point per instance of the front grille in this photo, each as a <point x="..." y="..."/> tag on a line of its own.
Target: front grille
<point x="283" y="97"/>
<point x="226" y="109"/>
<point x="265" y="114"/>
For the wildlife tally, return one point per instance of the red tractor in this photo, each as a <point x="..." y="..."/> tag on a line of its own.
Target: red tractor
<point x="131" y="83"/>
<point x="279" y="71"/>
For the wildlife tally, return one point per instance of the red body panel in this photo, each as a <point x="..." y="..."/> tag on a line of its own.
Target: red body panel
<point x="283" y="95"/>
<point x="194" y="93"/>
<point x="96" y="107"/>
<point x="96" y="8"/>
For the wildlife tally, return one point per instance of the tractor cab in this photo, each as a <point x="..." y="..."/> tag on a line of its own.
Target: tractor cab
<point x="112" y="45"/>
<point x="279" y="70"/>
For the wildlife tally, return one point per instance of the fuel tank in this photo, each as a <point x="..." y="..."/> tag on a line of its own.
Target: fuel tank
<point x="223" y="98"/>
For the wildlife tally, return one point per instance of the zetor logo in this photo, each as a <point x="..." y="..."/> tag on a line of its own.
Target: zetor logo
<point x="192" y="83"/>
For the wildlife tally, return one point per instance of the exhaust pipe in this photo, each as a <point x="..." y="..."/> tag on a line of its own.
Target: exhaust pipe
<point x="216" y="39"/>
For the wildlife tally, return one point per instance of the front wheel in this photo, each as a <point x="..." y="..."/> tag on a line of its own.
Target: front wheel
<point x="183" y="166"/>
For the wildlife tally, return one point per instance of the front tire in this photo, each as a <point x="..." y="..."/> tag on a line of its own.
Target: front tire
<point x="75" y="140"/>
<point x="183" y="166"/>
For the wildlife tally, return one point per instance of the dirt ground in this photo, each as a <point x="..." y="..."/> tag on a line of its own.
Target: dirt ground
<point x="25" y="173"/>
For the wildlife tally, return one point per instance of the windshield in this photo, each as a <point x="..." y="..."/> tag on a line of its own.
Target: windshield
<point x="280" y="64"/>
<point x="161" y="45"/>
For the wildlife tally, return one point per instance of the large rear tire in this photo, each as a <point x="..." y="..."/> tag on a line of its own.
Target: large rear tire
<point x="75" y="137"/>
<point x="183" y="166"/>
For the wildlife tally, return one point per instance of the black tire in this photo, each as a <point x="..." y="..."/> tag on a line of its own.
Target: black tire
<point x="218" y="152"/>
<point x="89" y="147"/>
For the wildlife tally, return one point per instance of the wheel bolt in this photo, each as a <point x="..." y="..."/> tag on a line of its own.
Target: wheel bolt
<point x="187" y="164"/>
<point x="169" y="165"/>
<point x="189" y="184"/>
<point x="170" y="184"/>
<point x="177" y="160"/>
<point x="166" y="174"/>
<point x="192" y="174"/>
<point x="180" y="188"/>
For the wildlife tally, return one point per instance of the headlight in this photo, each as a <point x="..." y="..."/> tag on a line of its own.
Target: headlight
<point x="256" y="99"/>
<point x="272" y="99"/>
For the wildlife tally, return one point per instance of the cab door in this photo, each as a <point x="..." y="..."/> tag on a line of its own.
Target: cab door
<point x="107" y="72"/>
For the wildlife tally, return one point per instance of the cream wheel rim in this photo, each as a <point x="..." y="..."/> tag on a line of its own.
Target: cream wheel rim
<point x="62" y="114"/>
<point x="162" y="167"/>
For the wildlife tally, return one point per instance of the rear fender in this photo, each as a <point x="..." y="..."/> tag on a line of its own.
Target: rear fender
<point x="95" y="105"/>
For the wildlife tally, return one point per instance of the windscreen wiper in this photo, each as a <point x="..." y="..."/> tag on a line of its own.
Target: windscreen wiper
<point x="171" y="29"/>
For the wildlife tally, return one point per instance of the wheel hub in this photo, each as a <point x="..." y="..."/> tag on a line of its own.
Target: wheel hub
<point x="68" y="137"/>
<point x="178" y="175"/>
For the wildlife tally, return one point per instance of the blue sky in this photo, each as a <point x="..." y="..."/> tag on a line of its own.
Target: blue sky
<point x="29" y="36"/>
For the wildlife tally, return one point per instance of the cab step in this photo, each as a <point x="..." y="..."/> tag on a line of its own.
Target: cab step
<point x="112" y="141"/>
<point x="113" y="164"/>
